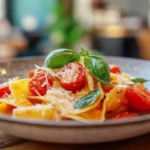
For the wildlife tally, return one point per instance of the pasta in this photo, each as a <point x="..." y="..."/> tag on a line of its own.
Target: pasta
<point x="74" y="92"/>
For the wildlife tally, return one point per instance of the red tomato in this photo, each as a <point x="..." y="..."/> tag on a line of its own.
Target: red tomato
<point x="115" y="69"/>
<point x="40" y="83"/>
<point x="138" y="98"/>
<point x="72" y="77"/>
<point x="125" y="115"/>
<point x="31" y="73"/>
<point x="107" y="88"/>
<point x="4" y="90"/>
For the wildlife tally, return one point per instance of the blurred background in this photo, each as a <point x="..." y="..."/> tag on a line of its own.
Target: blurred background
<point x="109" y="27"/>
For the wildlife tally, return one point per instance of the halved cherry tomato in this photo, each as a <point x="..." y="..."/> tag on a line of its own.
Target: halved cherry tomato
<point x="107" y="88"/>
<point x="138" y="98"/>
<point x="72" y="77"/>
<point x="4" y="90"/>
<point x="125" y="115"/>
<point x="40" y="83"/>
<point x="31" y="73"/>
<point x="115" y="69"/>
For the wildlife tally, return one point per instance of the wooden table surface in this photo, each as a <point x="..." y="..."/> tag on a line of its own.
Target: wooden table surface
<point x="138" y="143"/>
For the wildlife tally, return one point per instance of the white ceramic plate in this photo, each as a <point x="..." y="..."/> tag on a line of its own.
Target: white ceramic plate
<point x="72" y="131"/>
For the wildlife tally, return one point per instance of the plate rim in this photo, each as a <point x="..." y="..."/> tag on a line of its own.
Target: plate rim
<point x="74" y="124"/>
<point x="43" y="56"/>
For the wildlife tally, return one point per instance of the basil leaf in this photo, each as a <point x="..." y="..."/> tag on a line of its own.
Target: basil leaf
<point x="87" y="99"/>
<point x="60" y="57"/>
<point x="84" y="52"/>
<point x="139" y="80"/>
<point x="98" y="67"/>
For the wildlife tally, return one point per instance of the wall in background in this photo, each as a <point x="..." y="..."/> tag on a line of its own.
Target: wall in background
<point x="140" y="7"/>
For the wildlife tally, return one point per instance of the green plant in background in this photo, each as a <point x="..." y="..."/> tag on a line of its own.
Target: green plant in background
<point x="65" y="30"/>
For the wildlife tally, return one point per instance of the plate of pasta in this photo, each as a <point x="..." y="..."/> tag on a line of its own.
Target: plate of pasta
<point x="70" y="97"/>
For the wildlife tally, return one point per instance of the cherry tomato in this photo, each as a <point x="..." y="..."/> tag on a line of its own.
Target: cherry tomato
<point x="125" y="115"/>
<point x="31" y="73"/>
<point x="4" y="90"/>
<point x="107" y="88"/>
<point x="115" y="69"/>
<point x="138" y="98"/>
<point x="72" y="77"/>
<point x="40" y="83"/>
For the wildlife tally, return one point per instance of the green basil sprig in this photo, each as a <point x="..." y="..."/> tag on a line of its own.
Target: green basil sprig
<point x="60" y="57"/>
<point x="84" y="52"/>
<point x="139" y="80"/>
<point x="98" y="67"/>
<point x="87" y="100"/>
